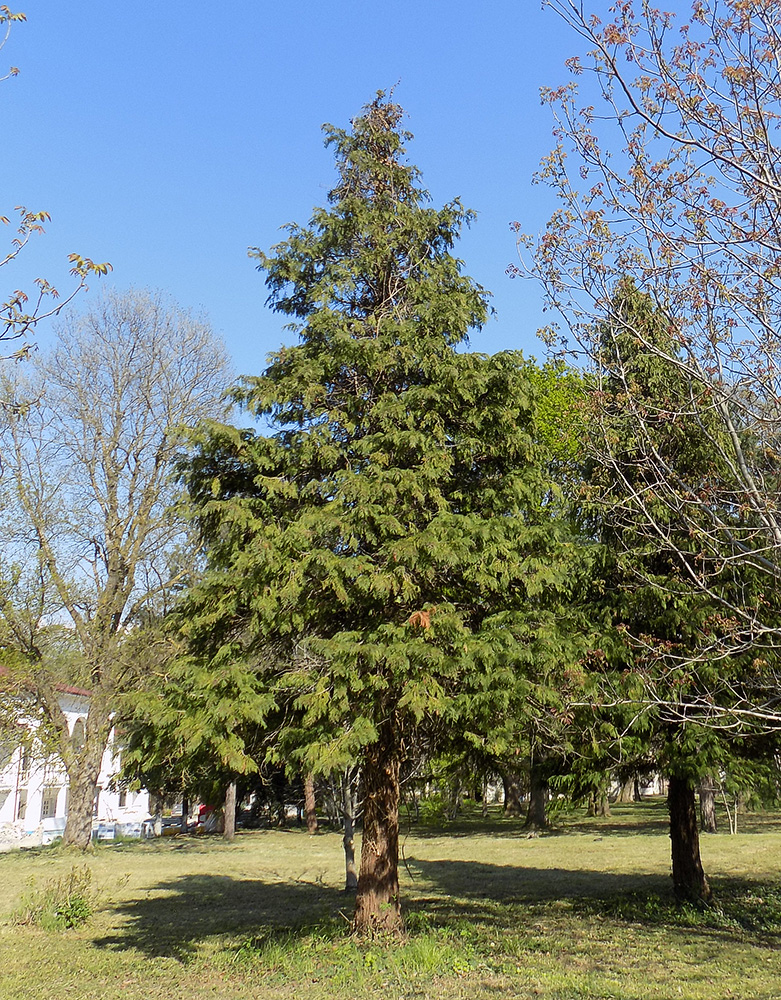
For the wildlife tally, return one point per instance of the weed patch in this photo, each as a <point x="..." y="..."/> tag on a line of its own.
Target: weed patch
<point x="59" y="903"/>
<point x="328" y="953"/>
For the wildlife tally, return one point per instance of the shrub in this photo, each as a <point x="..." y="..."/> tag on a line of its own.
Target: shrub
<point x="59" y="903"/>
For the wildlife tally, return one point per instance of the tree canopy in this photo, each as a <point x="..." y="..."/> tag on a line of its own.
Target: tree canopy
<point x="667" y="173"/>
<point x="91" y="539"/>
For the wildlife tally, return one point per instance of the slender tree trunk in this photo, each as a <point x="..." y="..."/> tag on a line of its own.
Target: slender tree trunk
<point x="454" y="797"/>
<point x="484" y="797"/>
<point x="348" y="815"/>
<point x="689" y="882"/>
<point x="591" y="807"/>
<point x="185" y="812"/>
<point x="310" y="807"/>
<point x="156" y="807"/>
<point x="377" y="903"/>
<point x="535" y="814"/>
<point x="229" y="811"/>
<point x="513" y="788"/>
<point x="638" y="793"/>
<point x="707" y="805"/>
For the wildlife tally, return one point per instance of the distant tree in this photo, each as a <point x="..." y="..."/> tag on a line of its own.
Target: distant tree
<point x="386" y="540"/>
<point x="91" y="542"/>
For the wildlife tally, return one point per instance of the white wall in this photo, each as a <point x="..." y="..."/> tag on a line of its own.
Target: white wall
<point x="34" y="778"/>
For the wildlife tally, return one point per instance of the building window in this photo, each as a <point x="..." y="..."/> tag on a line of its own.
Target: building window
<point x="49" y="803"/>
<point x="122" y="798"/>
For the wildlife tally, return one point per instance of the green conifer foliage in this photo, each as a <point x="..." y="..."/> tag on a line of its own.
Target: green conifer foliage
<point x="390" y="539"/>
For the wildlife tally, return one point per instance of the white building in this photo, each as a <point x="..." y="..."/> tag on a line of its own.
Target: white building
<point x="34" y="787"/>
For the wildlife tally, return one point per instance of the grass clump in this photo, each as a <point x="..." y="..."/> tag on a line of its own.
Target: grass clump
<point x="59" y="903"/>
<point x="328" y="954"/>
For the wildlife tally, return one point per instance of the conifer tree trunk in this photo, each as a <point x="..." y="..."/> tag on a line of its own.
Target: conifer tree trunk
<point x="513" y="787"/>
<point x="377" y="903"/>
<point x="229" y="828"/>
<point x="689" y="882"/>
<point x="535" y="814"/>
<point x="310" y="807"/>
<point x="707" y="805"/>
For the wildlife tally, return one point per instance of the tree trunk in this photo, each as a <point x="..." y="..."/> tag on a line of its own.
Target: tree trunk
<point x="348" y="815"/>
<point x="156" y="806"/>
<point x="513" y="788"/>
<point x="626" y="795"/>
<point x="310" y="807"/>
<point x="185" y="813"/>
<point x="83" y="786"/>
<point x="454" y="799"/>
<point x="604" y="805"/>
<point x="535" y="814"/>
<point x="229" y="811"/>
<point x="638" y="793"/>
<point x="82" y="763"/>
<point x="689" y="882"/>
<point x="707" y="805"/>
<point x="484" y="797"/>
<point x="377" y="903"/>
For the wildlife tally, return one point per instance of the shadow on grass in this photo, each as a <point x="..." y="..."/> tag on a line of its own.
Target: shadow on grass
<point x="492" y="895"/>
<point x="475" y="879"/>
<point x="176" y="916"/>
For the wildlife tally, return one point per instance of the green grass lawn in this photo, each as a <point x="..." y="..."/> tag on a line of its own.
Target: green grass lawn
<point x="583" y="912"/>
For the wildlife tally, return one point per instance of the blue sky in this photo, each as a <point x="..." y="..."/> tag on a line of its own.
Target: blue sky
<point x="168" y="137"/>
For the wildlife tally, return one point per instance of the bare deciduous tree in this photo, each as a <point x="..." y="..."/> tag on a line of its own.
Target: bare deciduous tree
<point x="93" y="540"/>
<point x="667" y="170"/>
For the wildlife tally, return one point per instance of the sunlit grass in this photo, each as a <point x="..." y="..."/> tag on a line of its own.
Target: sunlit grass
<point x="585" y="911"/>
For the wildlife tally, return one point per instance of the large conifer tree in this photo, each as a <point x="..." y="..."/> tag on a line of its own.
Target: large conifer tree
<point x="390" y="542"/>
